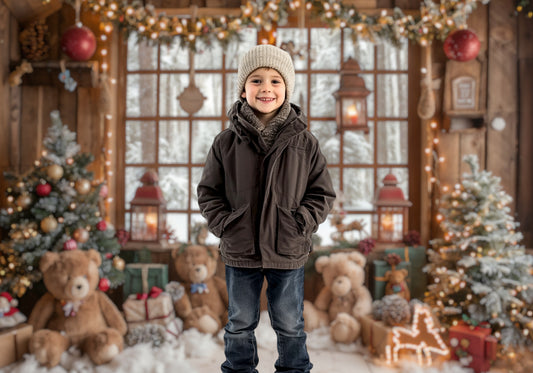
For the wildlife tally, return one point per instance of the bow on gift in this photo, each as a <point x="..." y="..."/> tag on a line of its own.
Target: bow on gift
<point x="199" y="288"/>
<point x="154" y="293"/>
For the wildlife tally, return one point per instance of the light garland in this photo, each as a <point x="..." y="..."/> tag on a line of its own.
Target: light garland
<point x="434" y="21"/>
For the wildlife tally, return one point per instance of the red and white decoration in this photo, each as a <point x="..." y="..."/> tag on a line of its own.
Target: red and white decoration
<point x="462" y="45"/>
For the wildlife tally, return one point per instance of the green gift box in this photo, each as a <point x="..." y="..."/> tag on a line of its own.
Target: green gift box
<point x="416" y="255"/>
<point x="379" y="282"/>
<point x="140" y="277"/>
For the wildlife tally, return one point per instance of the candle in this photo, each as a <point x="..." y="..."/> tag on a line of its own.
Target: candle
<point x="151" y="225"/>
<point x="352" y="113"/>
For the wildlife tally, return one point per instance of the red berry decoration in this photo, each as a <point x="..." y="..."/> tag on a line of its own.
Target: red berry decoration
<point x="103" y="285"/>
<point x="70" y="245"/>
<point x="43" y="190"/>
<point x="101" y="225"/>
<point x="78" y="42"/>
<point x="461" y="45"/>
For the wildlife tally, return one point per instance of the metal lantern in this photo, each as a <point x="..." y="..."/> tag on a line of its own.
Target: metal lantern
<point x="148" y="211"/>
<point x="392" y="211"/>
<point x="351" y="98"/>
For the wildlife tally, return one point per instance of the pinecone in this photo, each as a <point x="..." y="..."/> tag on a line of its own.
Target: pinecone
<point x="34" y="41"/>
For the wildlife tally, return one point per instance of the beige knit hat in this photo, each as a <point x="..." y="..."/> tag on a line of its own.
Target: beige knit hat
<point x="266" y="55"/>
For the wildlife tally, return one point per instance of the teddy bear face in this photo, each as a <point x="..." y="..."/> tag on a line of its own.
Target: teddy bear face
<point x="196" y="263"/>
<point x="396" y="276"/>
<point x="342" y="272"/>
<point x="71" y="275"/>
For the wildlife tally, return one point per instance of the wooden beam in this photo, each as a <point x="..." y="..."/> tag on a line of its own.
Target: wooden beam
<point x="47" y="74"/>
<point x="26" y="11"/>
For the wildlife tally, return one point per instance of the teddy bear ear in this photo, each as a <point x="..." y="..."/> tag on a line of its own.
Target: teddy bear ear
<point x="357" y="258"/>
<point x="47" y="260"/>
<point x="388" y="275"/>
<point x="95" y="256"/>
<point x="321" y="263"/>
<point x="213" y="251"/>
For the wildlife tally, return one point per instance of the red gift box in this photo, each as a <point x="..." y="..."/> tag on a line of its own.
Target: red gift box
<point x="475" y="347"/>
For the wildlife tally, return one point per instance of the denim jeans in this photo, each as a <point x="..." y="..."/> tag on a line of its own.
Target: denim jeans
<point x="285" y="294"/>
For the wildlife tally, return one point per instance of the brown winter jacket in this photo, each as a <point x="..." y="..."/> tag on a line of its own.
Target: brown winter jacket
<point x="265" y="204"/>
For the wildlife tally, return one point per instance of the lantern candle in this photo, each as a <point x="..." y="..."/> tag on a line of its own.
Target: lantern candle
<point x="352" y="113"/>
<point x="151" y="224"/>
<point x="386" y="223"/>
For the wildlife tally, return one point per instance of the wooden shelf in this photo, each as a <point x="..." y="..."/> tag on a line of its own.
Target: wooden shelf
<point x="46" y="73"/>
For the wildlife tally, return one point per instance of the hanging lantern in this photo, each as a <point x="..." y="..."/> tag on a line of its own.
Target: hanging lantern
<point x="148" y="211"/>
<point x="351" y="99"/>
<point x="392" y="211"/>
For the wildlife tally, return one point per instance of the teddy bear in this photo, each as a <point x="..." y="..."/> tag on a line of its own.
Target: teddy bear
<point x="343" y="299"/>
<point x="204" y="303"/>
<point x="73" y="312"/>
<point x="397" y="284"/>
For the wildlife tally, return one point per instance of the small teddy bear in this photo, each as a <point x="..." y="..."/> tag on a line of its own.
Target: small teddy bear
<point x="73" y="311"/>
<point x="396" y="283"/>
<point x="343" y="299"/>
<point x="204" y="303"/>
<point x="9" y="314"/>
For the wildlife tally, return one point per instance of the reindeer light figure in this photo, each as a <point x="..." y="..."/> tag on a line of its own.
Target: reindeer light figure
<point x="423" y="338"/>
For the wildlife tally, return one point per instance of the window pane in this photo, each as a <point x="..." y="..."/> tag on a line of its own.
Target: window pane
<point x="210" y="86"/>
<point x="196" y="174"/>
<point x="171" y="86"/>
<point x="362" y="51"/>
<point x="203" y="133"/>
<point x="133" y="181"/>
<point x="359" y="147"/>
<point x="335" y="177"/>
<point x="141" y="95"/>
<point x="392" y="142"/>
<point x="299" y="96"/>
<point x="211" y="239"/>
<point x="392" y="95"/>
<point x="208" y="57"/>
<point x="325" y="49"/>
<point x="326" y="133"/>
<point x="294" y="41"/>
<point x="173" y="141"/>
<point x="141" y="56"/>
<point x="369" y="84"/>
<point x="402" y="175"/>
<point x="140" y="141"/>
<point x="174" y="57"/>
<point x="178" y="223"/>
<point x="174" y="181"/>
<point x="358" y="187"/>
<point x="231" y="90"/>
<point x="390" y="57"/>
<point x="322" y="100"/>
<point x="247" y="39"/>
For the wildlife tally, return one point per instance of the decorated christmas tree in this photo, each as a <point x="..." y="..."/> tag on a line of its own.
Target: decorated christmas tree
<point x="480" y="273"/>
<point x="54" y="207"/>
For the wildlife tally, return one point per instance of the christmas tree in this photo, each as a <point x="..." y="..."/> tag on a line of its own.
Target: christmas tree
<point x="480" y="273"/>
<point x="54" y="207"/>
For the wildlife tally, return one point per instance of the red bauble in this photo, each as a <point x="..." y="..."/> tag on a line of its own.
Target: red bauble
<point x="462" y="45"/>
<point x="43" y="190"/>
<point x="78" y="42"/>
<point x="70" y="245"/>
<point x="101" y="225"/>
<point x="103" y="285"/>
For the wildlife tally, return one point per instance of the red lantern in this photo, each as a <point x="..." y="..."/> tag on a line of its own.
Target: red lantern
<point x="461" y="45"/>
<point x="78" y="42"/>
<point x="103" y="285"/>
<point x="43" y="190"/>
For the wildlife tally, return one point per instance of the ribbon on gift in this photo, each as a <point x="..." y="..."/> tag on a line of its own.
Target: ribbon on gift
<point x="154" y="293"/>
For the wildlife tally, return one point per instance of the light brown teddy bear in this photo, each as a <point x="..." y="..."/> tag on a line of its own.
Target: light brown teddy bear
<point x="73" y="311"/>
<point x="205" y="302"/>
<point x="396" y="283"/>
<point x="343" y="299"/>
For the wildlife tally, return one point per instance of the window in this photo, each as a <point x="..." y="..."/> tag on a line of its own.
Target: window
<point x="159" y="134"/>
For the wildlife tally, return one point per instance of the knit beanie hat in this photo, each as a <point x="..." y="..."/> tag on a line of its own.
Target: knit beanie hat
<point x="266" y="55"/>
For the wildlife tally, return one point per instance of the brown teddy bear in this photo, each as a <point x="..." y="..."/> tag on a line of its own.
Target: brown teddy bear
<point x="73" y="311"/>
<point x="396" y="283"/>
<point x="205" y="302"/>
<point x="343" y="299"/>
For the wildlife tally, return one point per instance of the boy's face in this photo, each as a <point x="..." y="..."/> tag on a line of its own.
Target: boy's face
<point x="264" y="91"/>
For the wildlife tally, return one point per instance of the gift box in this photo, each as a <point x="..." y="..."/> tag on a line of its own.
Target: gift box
<point x="141" y="277"/>
<point x="379" y="282"/>
<point x="375" y="335"/>
<point x="416" y="255"/>
<point x="474" y="347"/>
<point x="14" y="343"/>
<point x="154" y="307"/>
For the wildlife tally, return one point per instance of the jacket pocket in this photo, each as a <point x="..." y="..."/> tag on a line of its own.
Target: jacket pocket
<point x="237" y="234"/>
<point x="290" y="240"/>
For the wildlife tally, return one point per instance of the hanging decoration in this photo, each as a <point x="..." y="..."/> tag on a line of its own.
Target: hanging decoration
<point x="426" y="103"/>
<point x="462" y="45"/>
<point x="78" y="41"/>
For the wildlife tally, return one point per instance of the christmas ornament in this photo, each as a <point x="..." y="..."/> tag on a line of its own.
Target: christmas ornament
<point x="81" y="235"/>
<point x="191" y="99"/>
<point x="70" y="245"/>
<point x="103" y="285"/>
<point x="9" y="314"/>
<point x="462" y="45"/>
<point x="78" y="42"/>
<point x="104" y="191"/>
<point x="101" y="225"/>
<point x="24" y="200"/>
<point x="119" y="263"/>
<point x="83" y="186"/>
<point x="48" y="224"/>
<point x="54" y="172"/>
<point x="43" y="190"/>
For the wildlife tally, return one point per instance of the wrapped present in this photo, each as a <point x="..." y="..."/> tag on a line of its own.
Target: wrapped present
<point x="416" y="255"/>
<point x="14" y="343"/>
<point x="155" y="307"/>
<point x="474" y="347"/>
<point x="375" y="335"/>
<point x="141" y="277"/>
<point x="379" y="281"/>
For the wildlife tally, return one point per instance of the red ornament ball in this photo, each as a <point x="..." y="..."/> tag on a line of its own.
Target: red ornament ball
<point x="101" y="225"/>
<point x="70" y="245"/>
<point x="78" y="42"/>
<point x="103" y="285"/>
<point x="461" y="45"/>
<point x="43" y="190"/>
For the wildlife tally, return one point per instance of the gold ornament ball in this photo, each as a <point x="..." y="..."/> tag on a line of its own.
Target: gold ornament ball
<point x="119" y="263"/>
<point x="23" y="200"/>
<point x="83" y="186"/>
<point x="81" y="235"/>
<point x="48" y="224"/>
<point x="54" y="172"/>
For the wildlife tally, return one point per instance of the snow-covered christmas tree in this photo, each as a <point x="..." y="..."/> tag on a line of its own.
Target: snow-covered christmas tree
<point x="480" y="272"/>
<point x="54" y="207"/>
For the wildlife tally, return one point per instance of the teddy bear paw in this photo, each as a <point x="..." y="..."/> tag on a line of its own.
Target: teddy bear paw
<point x="208" y="325"/>
<point x="345" y="329"/>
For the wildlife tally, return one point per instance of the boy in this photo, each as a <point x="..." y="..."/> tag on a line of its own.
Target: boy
<point x="264" y="190"/>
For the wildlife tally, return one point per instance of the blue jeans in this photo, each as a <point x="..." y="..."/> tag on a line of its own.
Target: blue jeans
<point x="285" y="295"/>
